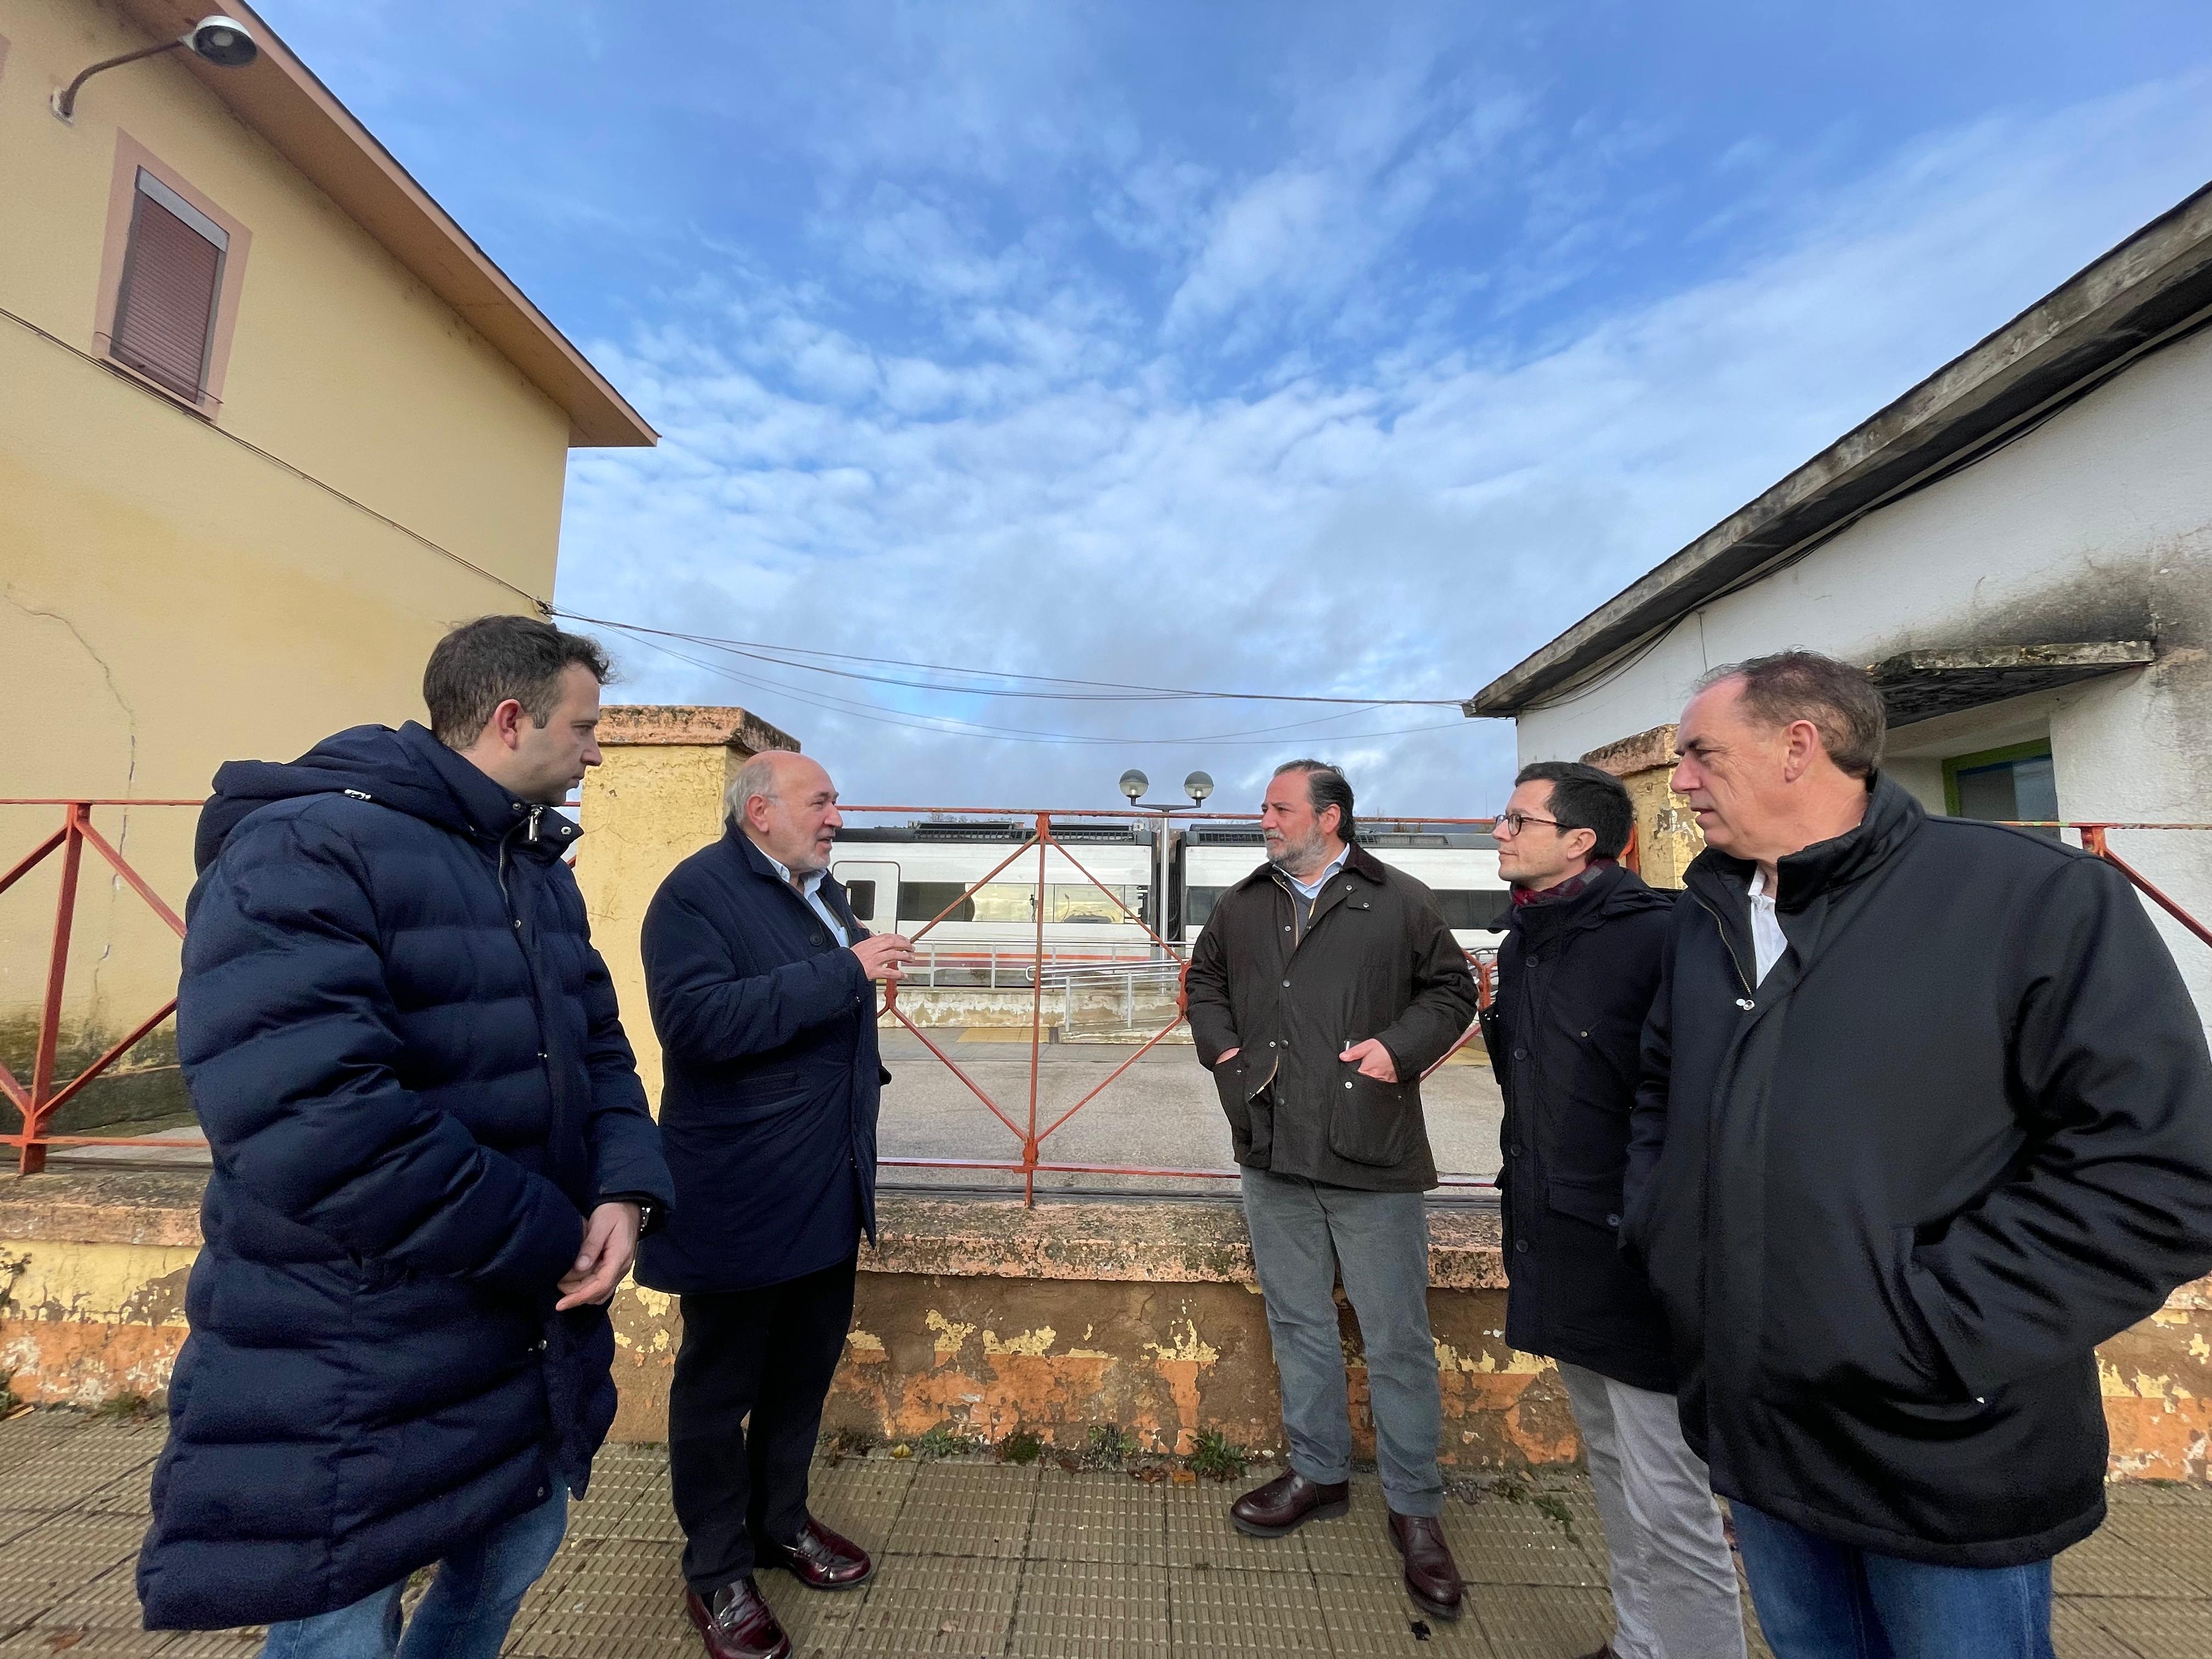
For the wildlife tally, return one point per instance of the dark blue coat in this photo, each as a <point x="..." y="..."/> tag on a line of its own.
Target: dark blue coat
<point x="767" y="1033"/>
<point x="406" y="1056"/>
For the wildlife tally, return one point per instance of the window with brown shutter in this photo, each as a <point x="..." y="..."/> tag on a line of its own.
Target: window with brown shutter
<point x="165" y="306"/>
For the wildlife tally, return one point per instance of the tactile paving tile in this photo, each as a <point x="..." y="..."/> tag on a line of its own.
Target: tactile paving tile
<point x="861" y="1497"/>
<point x="935" y="1604"/>
<point x="1372" y="1615"/>
<point x="108" y="1603"/>
<point x="1532" y="1619"/>
<point x="1091" y="1610"/>
<point x="1498" y="1540"/>
<point x="61" y="1556"/>
<point x="1200" y="1534"/>
<point x="2107" y="1563"/>
<point x="1357" y="1545"/>
<point x="2155" y="1630"/>
<point x="1099" y="1517"/>
<point x="131" y="1495"/>
<point x="2077" y="1635"/>
<point x="818" y="1622"/>
<point x="966" y="1509"/>
<point x="88" y="1644"/>
<point x="609" y="1599"/>
<point x="2178" y="1536"/>
<point x="1214" y="1612"/>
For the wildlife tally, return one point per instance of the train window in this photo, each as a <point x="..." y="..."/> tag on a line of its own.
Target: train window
<point x="1470" y="909"/>
<point x="1002" y="901"/>
<point x="1082" y="901"/>
<point x="861" y="896"/>
<point x="1198" y="904"/>
<point x="920" y="901"/>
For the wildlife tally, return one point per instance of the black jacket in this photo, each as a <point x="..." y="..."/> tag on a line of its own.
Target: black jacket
<point x="767" y="1034"/>
<point x="1375" y="961"/>
<point x="1894" y="1196"/>
<point x="1576" y="977"/>
<point x="405" y="1054"/>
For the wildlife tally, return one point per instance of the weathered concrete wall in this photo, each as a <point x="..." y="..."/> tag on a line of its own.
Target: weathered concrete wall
<point x="1667" y="833"/>
<point x="984" y="1319"/>
<point x="657" y="800"/>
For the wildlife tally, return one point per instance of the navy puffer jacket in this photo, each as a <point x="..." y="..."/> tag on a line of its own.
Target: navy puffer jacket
<point x="406" y="1056"/>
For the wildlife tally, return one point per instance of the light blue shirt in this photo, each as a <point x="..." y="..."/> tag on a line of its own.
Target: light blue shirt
<point x="1312" y="890"/>
<point x="809" y="887"/>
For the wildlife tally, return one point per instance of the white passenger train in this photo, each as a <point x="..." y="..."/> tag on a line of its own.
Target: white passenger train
<point x="902" y="878"/>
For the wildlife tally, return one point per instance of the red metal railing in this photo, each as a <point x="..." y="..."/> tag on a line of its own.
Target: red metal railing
<point x="37" y="1103"/>
<point x="1022" y="1122"/>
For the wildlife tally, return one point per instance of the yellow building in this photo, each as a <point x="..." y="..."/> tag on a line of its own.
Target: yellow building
<point x="269" y="423"/>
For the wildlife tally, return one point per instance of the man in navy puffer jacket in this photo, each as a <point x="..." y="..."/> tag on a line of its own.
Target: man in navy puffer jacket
<point x="432" y="1162"/>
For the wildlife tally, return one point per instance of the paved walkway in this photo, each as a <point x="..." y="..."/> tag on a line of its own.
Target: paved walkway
<point x="1037" y="1563"/>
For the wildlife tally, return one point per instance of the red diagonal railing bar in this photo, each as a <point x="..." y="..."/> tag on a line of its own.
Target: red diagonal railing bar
<point x="2093" y="841"/>
<point x="138" y="882"/>
<point x="1061" y="848"/>
<point x="974" y="888"/>
<point x="899" y="1014"/>
<point x="34" y="1158"/>
<point x="34" y="859"/>
<point x="1157" y="1038"/>
<point x="60" y="1098"/>
<point x="18" y="1095"/>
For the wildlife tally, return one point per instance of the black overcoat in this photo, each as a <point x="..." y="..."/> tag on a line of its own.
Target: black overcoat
<point x="1375" y="960"/>
<point x="1576" y="977"/>
<point x="1894" y="1194"/>
<point x="406" y="1056"/>
<point x="773" y="1077"/>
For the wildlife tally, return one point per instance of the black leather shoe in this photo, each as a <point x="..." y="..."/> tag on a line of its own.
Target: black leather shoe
<point x="1432" y="1576"/>
<point x="820" y="1560"/>
<point x="1287" y="1502"/>
<point x="737" y="1624"/>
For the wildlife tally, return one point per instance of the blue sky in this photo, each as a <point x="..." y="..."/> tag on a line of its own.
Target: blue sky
<point x="1340" y="350"/>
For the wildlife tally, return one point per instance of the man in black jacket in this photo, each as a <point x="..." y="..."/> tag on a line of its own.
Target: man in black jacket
<point x="1927" y="1115"/>
<point x="760" y="979"/>
<point x="1324" y="985"/>
<point x="1584" y="939"/>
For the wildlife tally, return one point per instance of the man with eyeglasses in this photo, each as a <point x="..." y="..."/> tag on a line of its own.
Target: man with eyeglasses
<point x="1585" y="939"/>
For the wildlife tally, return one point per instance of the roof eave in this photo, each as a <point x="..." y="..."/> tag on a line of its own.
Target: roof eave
<point x="281" y="98"/>
<point x="2158" y="280"/>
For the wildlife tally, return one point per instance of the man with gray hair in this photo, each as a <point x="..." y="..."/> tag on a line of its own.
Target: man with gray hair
<point x="1324" y="985"/>
<point x="1926" y="1116"/>
<point x="761" y="984"/>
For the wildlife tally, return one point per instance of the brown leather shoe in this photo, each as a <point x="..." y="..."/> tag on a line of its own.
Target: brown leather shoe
<point x="1605" y="1652"/>
<point x="738" y="1624"/>
<point x="820" y="1560"/>
<point x="1432" y="1576"/>
<point x="1287" y="1502"/>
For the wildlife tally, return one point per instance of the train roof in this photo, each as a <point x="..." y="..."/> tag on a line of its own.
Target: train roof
<point x="1379" y="835"/>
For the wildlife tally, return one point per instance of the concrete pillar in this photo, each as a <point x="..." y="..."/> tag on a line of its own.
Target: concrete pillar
<point x="1667" y="835"/>
<point x="657" y="800"/>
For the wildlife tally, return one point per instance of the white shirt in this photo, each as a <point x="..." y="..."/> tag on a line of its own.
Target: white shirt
<point x="809" y="888"/>
<point x="1310" y="891"/>
<point x="1768" y="942"/>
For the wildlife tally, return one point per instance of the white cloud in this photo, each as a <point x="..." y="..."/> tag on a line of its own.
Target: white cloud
<point x="1044" y="486"/>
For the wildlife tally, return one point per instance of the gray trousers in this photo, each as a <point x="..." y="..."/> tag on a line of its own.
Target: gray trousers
<point x="1304" y="1233"/>
<point x="1674" y="1592"/>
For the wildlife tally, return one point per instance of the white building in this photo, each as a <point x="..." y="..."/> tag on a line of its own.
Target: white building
<point x="2020" y="548"/>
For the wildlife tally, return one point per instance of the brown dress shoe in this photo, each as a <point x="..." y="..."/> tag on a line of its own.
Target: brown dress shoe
<point x="738" y="1624"/>
<point x="820" y="1560"/>
<point x="1432" y="1576"/>
<point x="1287" y="1502"/>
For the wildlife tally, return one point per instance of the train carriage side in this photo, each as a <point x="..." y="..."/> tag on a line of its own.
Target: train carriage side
<point x="1459" y="868"/>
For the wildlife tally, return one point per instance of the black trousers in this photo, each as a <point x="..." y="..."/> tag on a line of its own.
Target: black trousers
<point x="765" y="1355"/>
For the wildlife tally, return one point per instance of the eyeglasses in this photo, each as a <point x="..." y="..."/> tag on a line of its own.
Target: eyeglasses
<point x="1513" y="823"/>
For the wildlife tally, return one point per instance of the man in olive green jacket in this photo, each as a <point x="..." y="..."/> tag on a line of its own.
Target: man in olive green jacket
<point x="1324" y="985"/>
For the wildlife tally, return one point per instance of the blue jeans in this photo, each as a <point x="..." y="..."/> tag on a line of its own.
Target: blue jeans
<point x="1821" y="1599"/>
<point x="466" y="1613"/>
